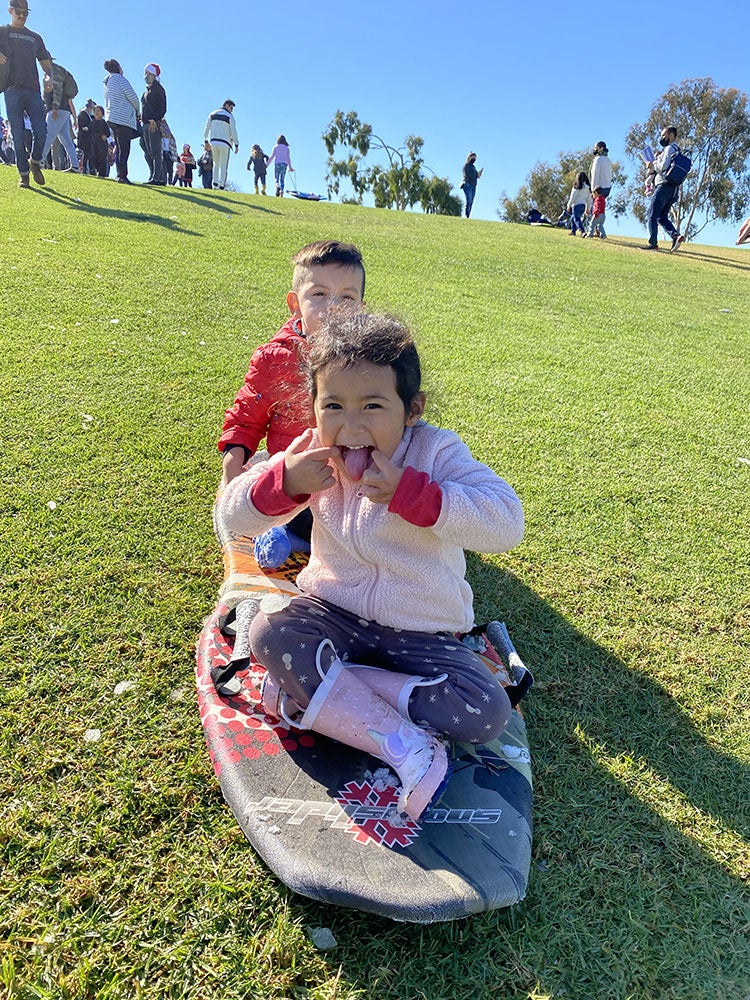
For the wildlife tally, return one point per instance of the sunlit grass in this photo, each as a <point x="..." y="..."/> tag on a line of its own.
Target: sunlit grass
<point x="609" y="387"/>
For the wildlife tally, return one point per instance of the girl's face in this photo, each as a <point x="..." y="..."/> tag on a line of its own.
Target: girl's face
<point x="359" y="409"/>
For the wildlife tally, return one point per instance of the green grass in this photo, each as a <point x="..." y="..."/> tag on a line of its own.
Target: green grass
<point x="609" y="387"/>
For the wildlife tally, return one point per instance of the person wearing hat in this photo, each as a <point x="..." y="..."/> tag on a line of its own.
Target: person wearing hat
<point x="470" y="177"/>
<point x="221" y="133"/>
<point x="20" y="50"/>
<point x="153" y="110"/>
<point x="85" y="118"/>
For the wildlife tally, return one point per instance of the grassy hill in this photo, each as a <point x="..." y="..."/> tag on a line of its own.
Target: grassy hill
<point x="609" y="387"/>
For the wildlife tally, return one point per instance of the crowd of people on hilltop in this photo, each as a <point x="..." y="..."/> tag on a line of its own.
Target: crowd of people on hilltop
<point x="43" y="128"/>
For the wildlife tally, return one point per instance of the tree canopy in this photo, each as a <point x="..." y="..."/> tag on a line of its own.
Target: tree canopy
<point x="713" y="128"/>
<point x="548" y="185"/>
<point x="401" y="184"/>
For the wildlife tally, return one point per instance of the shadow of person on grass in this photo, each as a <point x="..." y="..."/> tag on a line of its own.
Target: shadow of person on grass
<point x="612" y="878"/>
<point x="77" y="204"/>
<point x="206" y="201"/>
<point x="583" y="688"/>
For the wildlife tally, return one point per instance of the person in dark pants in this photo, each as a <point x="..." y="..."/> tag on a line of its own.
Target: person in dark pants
<point x="206" y="166"/>
<point x="121" y="110"/>
<point x="153" y="109"/>
<point x="470" y="177"/>
<point x="665" y="194"/>
<point x="85" y="118"/>
<point x="99" y="144"/>
<point x="22" y="49"/>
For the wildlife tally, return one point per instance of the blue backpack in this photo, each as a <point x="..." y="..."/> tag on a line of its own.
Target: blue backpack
<point x="679" y="168"/>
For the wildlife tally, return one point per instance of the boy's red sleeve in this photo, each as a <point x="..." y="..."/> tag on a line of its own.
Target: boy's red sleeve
<point x="417" y="499"/>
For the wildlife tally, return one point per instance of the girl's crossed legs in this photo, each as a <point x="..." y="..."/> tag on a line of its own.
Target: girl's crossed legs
<point x="469" y="705"/>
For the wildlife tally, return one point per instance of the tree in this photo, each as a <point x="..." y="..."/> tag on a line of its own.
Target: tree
<point x="713" y="128"/>
<point x="548" y="187"/>
<point x="401" y="184"/>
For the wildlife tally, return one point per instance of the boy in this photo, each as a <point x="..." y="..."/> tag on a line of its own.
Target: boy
<point x="326" y="273"/>
<point x="598" y="214"/>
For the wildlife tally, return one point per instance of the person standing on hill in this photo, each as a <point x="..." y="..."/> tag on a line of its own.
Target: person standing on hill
<point x="221" y="133"/>
<point x="206" y="166"/>
<point x="665" y="194"/>
<point x="601" y="169"/>
<point x="121" y="110"/>
<point x="85" y="118"/>
<point x="469" y="184"/>
<point x="20" y="50"/>
<point x="153" y="109"/>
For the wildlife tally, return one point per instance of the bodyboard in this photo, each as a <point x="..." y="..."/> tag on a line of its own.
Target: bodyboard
<point x="323" y="816"/>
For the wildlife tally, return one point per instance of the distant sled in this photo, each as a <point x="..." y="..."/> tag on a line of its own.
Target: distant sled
<point x="307" y="195"/>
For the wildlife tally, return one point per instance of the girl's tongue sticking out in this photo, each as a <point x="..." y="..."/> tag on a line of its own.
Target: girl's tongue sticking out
<point x="356" y="460"/>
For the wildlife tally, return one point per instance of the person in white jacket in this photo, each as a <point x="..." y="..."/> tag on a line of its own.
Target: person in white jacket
<point x="221" y="133"/>
<point x="579" y="203"/>
<point x="601" y="169"/>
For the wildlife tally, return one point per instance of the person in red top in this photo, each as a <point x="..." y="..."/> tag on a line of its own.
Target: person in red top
<point x="598" y="215"/>
<point x="272" y="403"/>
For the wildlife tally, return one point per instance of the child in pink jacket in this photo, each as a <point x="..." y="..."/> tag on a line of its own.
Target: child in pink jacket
<point x="395" y="502"/>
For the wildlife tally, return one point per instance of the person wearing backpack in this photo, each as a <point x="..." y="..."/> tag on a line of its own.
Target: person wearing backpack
<point x="59" y="90"/>
<point x="666" y="192"/>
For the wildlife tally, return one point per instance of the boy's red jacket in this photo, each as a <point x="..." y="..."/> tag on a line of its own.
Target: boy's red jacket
<point x="272" y="404"/>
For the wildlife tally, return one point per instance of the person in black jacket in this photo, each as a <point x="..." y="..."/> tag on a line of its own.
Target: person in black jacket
<point x="470" y="177"/>
<point x="85" y="118"/>
<point x="153" y="109"/>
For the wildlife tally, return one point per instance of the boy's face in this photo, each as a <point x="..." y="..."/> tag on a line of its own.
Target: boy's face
<point x="320" y="286"/>
<point x="359" y="409"/>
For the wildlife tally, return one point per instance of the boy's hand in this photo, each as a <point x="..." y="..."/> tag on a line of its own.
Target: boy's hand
<point x="234" y="459"/>
<point x="306" y="471"/>
<point x="381" y="480"/>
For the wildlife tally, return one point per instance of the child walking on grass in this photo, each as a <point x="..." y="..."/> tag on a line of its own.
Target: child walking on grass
<point x="579" y="203"/>
<point x="368" y="655"/>
<point x="326" y="273"/>
<point x="598" y="215"/>
<point x="283" y="162"/>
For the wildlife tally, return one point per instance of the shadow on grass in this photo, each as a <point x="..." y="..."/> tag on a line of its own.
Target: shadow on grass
<point x="79" y="205"/>
<point x="620" y="895"/>
<point x="686" y="250"/>
<point x="206" y="201"/>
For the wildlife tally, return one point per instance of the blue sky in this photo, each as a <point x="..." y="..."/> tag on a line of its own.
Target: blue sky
<point x="515" y="82"/>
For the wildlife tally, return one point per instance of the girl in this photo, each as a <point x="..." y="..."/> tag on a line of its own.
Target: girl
<point x="187" y="158"/>
<point x="258" y="163"/>
<point x="368" y="654"/>
<point x="283" y="157"/>
<point x="579" y="203"/>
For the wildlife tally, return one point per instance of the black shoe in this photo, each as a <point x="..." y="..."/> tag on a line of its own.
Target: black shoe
<point x="123" y="180"/>
<point x="677" y="242"/>
<point x="648" y="247"/>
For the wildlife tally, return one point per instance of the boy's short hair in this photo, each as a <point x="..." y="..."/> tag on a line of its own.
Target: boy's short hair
<point x="324" y="252"/>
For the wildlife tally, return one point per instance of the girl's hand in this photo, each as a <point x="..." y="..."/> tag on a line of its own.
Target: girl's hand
<point x="307" y="471"/>
<point x="380" y="481"/>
